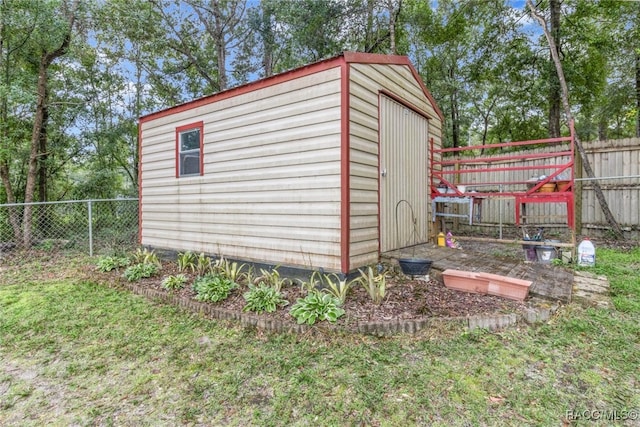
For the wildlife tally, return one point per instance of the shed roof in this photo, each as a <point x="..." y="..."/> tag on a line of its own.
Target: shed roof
<point x="339" y="60"/>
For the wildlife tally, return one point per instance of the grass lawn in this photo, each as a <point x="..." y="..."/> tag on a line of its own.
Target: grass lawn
<point x="77" y="352"/>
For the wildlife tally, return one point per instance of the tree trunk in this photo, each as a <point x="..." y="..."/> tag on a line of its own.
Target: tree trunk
<point x="268" y="41"/>
<point x="32" y="167"/>
<point x="220" y="46"/>
<point x="602" y="130"/>
<point x="369" y="39"/>
<point x="39" y="126"/>
<point x="554" y="85"/>
<point x="455" y="116"/>
<point x="392" y="28"/>
<point x="14" y="215"/>
<point x="42" y="153"/>
<point x="43" y="218"/>
<point x="615" y="227"/>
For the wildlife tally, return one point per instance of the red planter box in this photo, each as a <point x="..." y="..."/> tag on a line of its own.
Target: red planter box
<point x="486" y="283"/>
<point x="507" y="287"/>
<point x="466" y="281"/>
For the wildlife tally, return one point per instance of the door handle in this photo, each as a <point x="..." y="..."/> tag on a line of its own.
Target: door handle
<point x="383" y="172"/>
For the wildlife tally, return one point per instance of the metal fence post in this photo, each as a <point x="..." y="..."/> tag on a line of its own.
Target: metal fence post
<point x="90" y="228"/>
<point x="500" y="210"/>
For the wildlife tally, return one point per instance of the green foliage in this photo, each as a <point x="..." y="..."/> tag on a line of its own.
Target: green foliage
<point x="145" y="264"/>
<point x="309" y="286"/>
<point x="249" y="276"/>
<point x="203" y="265"/>
<point x="102" y="183"/>
<point x="138" y="271"/>
<point x="557" y="262"/>
<point x="483" y="69"/>
<point x="332" y="284"/>
<point x="272" y="278"/>
<point x="47" y="245"/>
<point x="213" y="288"/>
<point x="145" y="256"/>
<point x="316" y="306"/>
<point x="187" y="261"/>
<point x="233" y="271"/>
<point x="174" y="282"/>
<point x="263" y="298"/>
<point x="109" y="263"/>
<point x="375" y="284"/>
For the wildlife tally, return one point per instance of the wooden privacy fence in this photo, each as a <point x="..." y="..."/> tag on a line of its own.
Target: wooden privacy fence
<point x="616" y="164"/>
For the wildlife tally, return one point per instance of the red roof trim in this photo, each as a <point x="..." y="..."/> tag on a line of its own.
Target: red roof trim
<point x="379" y="174"/>
<point x="139" y="185"/>
<point x="249" y="87"/>
<point x="426" y="92"/>
<point x="345" y="171"/>
<point x="374" y="58"/>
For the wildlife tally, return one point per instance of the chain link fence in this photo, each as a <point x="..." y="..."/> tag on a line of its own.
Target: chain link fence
<point x="90" y="227"/>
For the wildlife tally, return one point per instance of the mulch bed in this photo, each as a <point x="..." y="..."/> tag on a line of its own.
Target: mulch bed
<point x="406" y="299"/>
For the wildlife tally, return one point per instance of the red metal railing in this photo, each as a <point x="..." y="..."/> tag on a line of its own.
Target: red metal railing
<point x="467" y="176"/>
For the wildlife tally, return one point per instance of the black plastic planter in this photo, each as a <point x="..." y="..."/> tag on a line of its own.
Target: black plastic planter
<point x="414" y="266"/>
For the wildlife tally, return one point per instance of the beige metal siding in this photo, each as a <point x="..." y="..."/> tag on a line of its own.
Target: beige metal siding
<point x="366" y="82"/>
<point x="403" y="161"/>
<point x="271" y="185"/>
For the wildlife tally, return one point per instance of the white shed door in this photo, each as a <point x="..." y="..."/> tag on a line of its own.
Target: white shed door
<point x="403" y="176"/>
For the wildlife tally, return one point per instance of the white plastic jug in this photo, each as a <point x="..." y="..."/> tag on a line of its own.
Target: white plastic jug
<point x="586" y="253"/>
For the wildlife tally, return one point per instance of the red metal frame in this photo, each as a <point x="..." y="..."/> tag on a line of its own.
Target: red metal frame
<point x="452" y="178"/>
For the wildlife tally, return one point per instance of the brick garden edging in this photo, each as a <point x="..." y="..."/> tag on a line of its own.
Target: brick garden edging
<point x="380" y="328"/>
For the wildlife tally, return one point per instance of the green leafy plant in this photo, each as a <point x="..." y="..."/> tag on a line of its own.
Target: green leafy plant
<point x="249" y="275"/>
<point x="316" y="306"/>
<point x="47" y="245"/>
<point x="110" y="263"/>
<point x="272" y="278"/>
<point x="187" y="261"/>
<point x="375" y="284"/>
<point x="138" y="271"/>
<point x="332" y="284"/>
<point x="263" y="298"/>
<point x="203" y="265"/>
<point x="174" y="282"/>
<point x="233" y="271"/>
<point x="145" y="256"/>
<point x="213" y="287"/>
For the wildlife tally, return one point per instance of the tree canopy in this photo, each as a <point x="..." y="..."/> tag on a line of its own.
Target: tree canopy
<point x="76" y="75"/>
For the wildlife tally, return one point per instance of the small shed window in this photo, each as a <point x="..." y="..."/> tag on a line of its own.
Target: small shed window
<point x="189" y="149"/>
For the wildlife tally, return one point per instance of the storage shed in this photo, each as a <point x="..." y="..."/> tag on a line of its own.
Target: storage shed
<point x="324" y="166"/>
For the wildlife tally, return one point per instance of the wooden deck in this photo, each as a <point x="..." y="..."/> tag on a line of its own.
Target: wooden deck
<point x="549" y="282"/>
